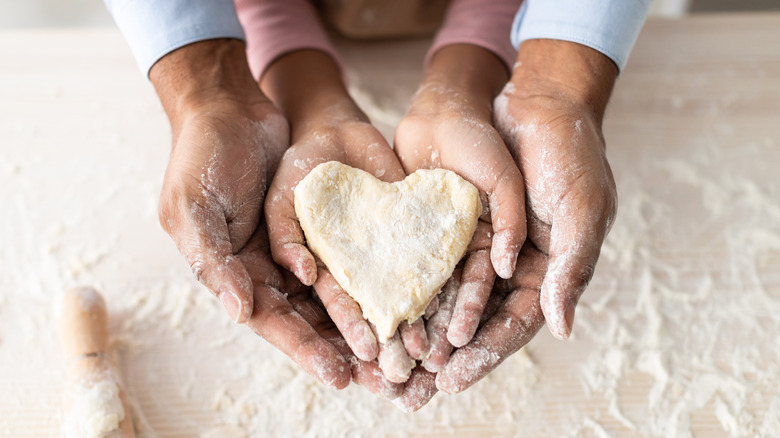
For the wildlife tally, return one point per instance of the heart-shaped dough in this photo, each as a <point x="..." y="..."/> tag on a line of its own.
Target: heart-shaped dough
<point x="390" y="246"/>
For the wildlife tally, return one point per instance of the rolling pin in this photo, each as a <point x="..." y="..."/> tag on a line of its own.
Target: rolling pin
<point x="95" y="403"/>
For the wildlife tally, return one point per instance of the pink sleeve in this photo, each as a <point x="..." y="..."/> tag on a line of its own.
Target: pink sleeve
<point x="483" y="23"/>
<point x="276" y="27"/>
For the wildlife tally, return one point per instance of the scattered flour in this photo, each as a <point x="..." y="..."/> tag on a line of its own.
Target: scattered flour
<point x="674" y="337"/>
<point x="686" y="307"/>
<point x="96" y="410"/>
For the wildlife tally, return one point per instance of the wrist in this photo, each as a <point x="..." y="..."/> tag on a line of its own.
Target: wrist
<point x="577" y="74"/>
<point x="204" y="74"/>
<point x="307" y="87"/>
<point x="472" y="71"/>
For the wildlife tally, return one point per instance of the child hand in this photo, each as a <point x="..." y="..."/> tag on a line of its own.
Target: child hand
<point x="450" y="125"/>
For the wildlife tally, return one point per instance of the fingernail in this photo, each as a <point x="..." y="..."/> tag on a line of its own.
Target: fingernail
<point x="367" y="348"/>
<point x="231" y="303"/>
<point x="306" y="273"/>
<point x="505" y="265"/>
<point x="569" y="319"/>
<point x="503" y="257"/>
<point x="444" y="384"/>
<point x="458" y="338"/>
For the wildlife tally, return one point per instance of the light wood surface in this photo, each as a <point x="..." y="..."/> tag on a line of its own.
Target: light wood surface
<point x="693" y="133"/>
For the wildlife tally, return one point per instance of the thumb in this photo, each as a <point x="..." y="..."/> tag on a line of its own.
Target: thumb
<point x="575" y="244"/>
<point x="201" y="235"/>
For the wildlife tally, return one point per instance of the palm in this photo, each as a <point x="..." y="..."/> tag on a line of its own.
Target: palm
<point x="213" y="191"/>
<point x="358" y="144"/>
<point x="443" y="130"/>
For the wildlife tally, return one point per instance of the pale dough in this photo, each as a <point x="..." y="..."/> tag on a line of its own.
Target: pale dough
<point x="390" y="246"/>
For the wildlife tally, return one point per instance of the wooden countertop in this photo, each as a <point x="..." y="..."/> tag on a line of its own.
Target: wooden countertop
<point x="675" y="336"/>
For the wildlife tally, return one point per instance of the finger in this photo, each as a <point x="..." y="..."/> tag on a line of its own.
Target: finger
<point x="201" y="235"/>
<point x="507" y="214"/>
<point x="418" y="391"/>
<point x="501" y="289"/>
<point x="276" y="321"/>
<point x="365" y="374"/>
<point x="498" y="177"/>
<point x="284" y="231"/>
<point x="515" y="323"/>
<point x="473" y="294"/>
<point x="433" y="306"/>
<point x="575" y="244"/>
<point x="477" y="281"/>
<point x="371" y="377"/>
<point x="347" y="316"/>
<point x="439" y="347"/>
<point x="394" y="361"/>
<point x="414" y="338"/>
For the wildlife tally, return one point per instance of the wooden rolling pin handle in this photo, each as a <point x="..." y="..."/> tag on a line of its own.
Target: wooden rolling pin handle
<point x="83" y="323"/>
<point x="84" y="333"/>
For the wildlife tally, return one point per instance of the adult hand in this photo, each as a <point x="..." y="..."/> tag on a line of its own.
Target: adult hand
<point x="227" y="140"/>
<point x="450" y="125"/>
<point x="550" y="116"/>
<point x="328" y="126"/>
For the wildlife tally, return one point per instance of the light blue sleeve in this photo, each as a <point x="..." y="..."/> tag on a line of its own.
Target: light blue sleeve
<point x="154" y="28"/>
<point x="609" y="26"/>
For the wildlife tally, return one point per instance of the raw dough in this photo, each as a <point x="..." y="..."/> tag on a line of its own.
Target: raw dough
<point x="390" y="246"/>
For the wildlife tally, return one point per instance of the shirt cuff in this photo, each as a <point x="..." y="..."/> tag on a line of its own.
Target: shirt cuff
<point x="482" y="23"/>
<point x="609" y="26"/>
<point x="155" y="28"/>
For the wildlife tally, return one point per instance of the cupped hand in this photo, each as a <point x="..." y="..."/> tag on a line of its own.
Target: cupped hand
<point x="550" y="116"/>
<point x="213" y="191"/>
<point x="227" y="140"/>
<point x="358" y="144"/>
<point x="449" y="125"/>
<point x="328" y="126"/>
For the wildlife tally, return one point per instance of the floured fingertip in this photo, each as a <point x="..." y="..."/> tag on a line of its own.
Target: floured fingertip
<point x="332" y="370"/>
<point x="366" y="347"/>
<point x="555" y="309"/>
<point x="561" y="326"/>
<point x="432" y="366"/>
<point x="458" y="336"/>
<point x="394" y="362"/>
<point x="469" y="367"/>
<point x="445" y="384"/>
<point x="304" y="267"/>
<point x="415" y="339"/>
<point x="503" y="255"/>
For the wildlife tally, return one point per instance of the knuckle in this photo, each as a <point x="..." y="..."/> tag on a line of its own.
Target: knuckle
<point x="343" y="301"/>
<point x="583" y="279"/>
<point x="197" y="266"/>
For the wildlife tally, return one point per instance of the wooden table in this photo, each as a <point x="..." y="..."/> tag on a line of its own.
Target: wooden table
<point x="676" y="335"/>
